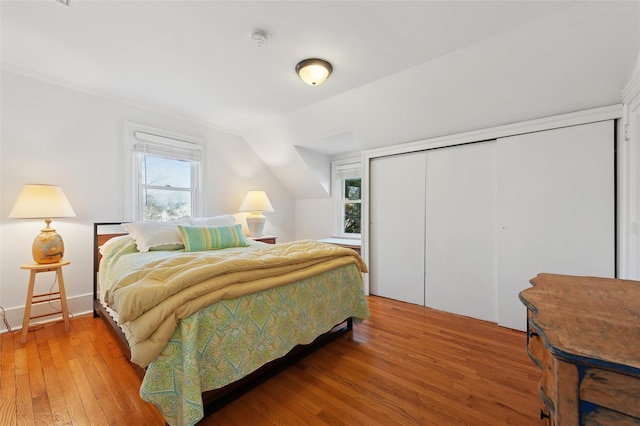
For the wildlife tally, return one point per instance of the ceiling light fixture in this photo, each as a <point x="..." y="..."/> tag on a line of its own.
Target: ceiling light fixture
<point x="314" y="71"/>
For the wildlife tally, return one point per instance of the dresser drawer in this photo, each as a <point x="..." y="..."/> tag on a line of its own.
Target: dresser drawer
<point x="547" y="383"/>
<point x="535" y="347"/>
<point x="604" y="417"/>
<point x="615" y="391"/>
<point x="550" y="409"/>
<point x="543" y="359"/>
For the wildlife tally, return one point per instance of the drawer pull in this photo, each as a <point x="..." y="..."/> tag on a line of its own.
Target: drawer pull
<point x="544" y="415"/>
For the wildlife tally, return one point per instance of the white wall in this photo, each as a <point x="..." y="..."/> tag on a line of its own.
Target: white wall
<point x="52" y="134"/>
<point x="629" y="178"/>
<point x="567" y="61"/>
<point x="314" y="218"/>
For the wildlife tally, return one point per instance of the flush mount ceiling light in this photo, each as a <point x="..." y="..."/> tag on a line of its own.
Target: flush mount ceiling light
<point x="314" y="71"/>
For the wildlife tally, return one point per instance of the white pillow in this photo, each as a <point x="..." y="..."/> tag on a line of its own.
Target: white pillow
<point x="222" y="220"/>
<point x="103" y="248"/>
<point x="156" y="235"/>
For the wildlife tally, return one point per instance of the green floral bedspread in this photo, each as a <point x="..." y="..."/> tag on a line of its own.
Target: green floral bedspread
<point x="232" y="338"/>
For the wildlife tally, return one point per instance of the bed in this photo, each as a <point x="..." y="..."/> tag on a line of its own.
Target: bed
<point x="218" y="321"/>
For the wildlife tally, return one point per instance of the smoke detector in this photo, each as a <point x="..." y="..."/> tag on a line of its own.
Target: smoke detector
<point x="260" y="37"/>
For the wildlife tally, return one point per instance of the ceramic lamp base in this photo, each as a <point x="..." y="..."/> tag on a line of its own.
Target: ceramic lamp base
<point x="255" y="223"/>
<point x="48" y="246"/>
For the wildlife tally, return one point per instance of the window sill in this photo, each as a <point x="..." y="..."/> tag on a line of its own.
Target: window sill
<point x="351" y="243"/>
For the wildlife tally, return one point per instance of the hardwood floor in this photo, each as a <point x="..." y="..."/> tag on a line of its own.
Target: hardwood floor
<point x="406" y="365"/>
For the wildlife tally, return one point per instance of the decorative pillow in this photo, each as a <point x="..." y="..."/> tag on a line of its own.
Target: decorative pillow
<point x="156" y="235"/>
<point x="222" y="220"/>
<point x="200" y="238"/>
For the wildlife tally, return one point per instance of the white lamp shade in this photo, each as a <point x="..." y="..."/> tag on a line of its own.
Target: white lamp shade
<point x="256" y="201"/>
<point x="37" y="201"/>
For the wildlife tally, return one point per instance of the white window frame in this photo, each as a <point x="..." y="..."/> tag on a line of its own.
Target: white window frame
<point x="167" y="144"/>
<point x="341" y="170"/>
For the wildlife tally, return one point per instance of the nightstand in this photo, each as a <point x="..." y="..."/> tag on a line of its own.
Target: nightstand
<point x="34" y="299"/>
<point x="266" y="239"/>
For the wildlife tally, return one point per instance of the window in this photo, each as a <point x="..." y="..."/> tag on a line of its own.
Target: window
<point x="164" y="175"/>
<point x="347" y="196"/>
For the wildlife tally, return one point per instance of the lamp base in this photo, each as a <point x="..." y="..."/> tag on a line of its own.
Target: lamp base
<point x="255" y="223"/>
<point x="48" y="246"/>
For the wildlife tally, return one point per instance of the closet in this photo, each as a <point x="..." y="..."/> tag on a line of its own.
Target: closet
<point x="463" y="228"/>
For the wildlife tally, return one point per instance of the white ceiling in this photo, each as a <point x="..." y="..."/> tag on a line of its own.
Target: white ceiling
<point x="196" y="58"/>
<point x="403" y="70"/>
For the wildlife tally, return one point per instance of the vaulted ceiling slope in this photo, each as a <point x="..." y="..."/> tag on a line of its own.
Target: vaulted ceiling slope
<point x="403" y="70"/>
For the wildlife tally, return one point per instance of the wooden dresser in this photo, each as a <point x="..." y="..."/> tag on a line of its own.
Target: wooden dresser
<point x="584" y="335"/>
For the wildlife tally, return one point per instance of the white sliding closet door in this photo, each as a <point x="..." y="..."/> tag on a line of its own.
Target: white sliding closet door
<point x="397" y="211"/>
<point x="555" y="209"/>
<point x="460" y="230"/>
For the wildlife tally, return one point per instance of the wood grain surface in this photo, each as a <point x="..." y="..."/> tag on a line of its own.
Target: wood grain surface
<point x="406" y="365"/>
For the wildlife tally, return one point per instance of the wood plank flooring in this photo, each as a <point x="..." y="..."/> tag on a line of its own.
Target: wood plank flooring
<point x="406" y="365"/>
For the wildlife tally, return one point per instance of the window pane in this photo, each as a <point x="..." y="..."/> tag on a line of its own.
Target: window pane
<point x="165" y="204"/>
<point x="352" y="189"/>
<point x="159" y="171"/>
<point x="352" y="218"/>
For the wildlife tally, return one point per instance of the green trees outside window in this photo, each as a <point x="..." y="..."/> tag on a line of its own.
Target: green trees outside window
<point x="351" y="205"/>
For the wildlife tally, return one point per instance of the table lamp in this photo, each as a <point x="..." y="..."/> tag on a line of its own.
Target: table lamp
<point x="256" y="202"/>
<point x="38" y="201"/>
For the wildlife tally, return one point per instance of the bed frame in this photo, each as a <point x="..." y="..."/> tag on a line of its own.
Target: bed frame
<point x="214" y="399"/>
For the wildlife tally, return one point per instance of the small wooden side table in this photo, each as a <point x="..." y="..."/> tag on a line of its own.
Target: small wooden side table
<point x="269" y="239"/>
<point x="34" y="299"/>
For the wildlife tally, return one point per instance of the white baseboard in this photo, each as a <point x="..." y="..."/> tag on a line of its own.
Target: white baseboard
<point x="78" y="305"/>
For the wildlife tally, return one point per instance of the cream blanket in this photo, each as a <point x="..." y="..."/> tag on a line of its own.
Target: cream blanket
<point x="152" y="299"/>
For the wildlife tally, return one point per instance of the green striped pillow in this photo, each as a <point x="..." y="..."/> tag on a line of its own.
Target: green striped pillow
<point x="200" y="238"/>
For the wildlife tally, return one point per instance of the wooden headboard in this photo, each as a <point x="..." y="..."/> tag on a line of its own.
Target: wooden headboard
<point x="102" y="232"/>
